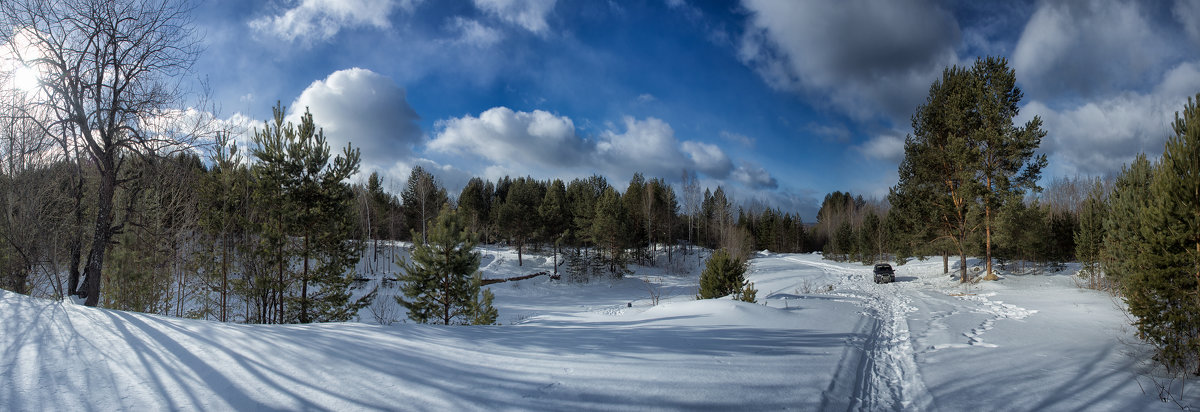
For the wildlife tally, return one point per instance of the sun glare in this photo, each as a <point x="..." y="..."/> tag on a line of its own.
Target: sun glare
<point x="25" y="79"/>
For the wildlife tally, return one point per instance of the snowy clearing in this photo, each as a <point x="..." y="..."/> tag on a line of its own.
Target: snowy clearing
<point x="824" y="337"/>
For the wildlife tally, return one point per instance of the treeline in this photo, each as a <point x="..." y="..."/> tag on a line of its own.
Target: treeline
<point x="589" y="214"/>
<point x="1038" y="231"/>
<point x="273" y="236"/>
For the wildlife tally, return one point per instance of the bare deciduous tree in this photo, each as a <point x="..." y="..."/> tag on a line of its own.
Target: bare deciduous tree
<point x="108" y="72"/>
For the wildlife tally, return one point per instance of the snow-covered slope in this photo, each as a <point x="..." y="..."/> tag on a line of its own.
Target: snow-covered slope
<point x="824" y="337"/>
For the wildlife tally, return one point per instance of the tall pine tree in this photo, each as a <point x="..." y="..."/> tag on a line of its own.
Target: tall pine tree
<point x="1007" y="165"/>
<point x="321" y="218"/>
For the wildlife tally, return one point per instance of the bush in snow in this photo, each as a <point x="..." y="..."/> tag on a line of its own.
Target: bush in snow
<point x="725" y="275"/>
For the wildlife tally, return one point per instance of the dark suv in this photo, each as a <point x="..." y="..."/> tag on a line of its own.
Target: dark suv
<point x="884" y="273"/>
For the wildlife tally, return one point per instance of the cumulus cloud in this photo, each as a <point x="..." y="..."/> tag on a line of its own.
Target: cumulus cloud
<point x="868" y="58"/>
<point x="529" y="14"/>
<point x="1100" y="136"/>
<point x="502" y="135"/>
<point x="1089" y="49"/>
<point x="364" y="108"/>
<point x="529" y="141"/>
<point x="319" y="20"/>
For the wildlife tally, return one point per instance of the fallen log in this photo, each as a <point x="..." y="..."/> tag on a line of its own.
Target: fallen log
<point x="493" y="281"/>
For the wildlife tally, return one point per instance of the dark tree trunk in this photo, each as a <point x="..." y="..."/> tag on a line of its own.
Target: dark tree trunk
<point x="304" y="286"/>
<point x="103" y="235"/>
<point x="962" y="259"/>
<point x="945" y="262"/>
<point x="75" y="243"/>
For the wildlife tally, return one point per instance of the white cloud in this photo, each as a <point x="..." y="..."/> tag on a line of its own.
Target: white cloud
<point x="501" y="135"/>
<point x="645" y="98"/>
<point x="1089" y="49"/>
<point x="530" y="14"/>
<point x="538" y="141"/>
<point x="319" y="20"/>
<point x="1100" y="136"/>
<point x="364" y="108"/>
<point x="1187" y="12"/>
<point x="888" y="147"/>
<point x="473" y="33"/>
<point x="754" y="177"/>
<point x="868" y="58"/>
<point x="707" y="158"/>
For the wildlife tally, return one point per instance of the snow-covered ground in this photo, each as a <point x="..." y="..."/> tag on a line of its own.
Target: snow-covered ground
<point x="823" y="337"/>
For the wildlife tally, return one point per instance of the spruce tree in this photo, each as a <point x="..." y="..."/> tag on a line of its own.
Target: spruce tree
<point x="1164" y="295"/>
<point x="437" y="281"/>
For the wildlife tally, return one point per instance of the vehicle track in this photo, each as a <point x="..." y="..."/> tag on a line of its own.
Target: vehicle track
<point x="887" y="378"/>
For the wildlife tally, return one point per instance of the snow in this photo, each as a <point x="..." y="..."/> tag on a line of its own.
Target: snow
<point x="823" y="336"/>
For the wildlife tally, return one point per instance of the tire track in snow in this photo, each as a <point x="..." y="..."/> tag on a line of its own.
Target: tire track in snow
<point x="887" y="378"/>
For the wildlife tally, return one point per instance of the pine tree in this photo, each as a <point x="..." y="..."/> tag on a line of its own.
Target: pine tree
<point x="554" y="217"/>
<point x="223" y="202"/>
<point x="1007" y="165"/>
<point x="582" y="196"/>
<point x="296" y="164"/>
<point x="634" y="198"/>
<point x="518" y="216"/>
<point x="422" y="197"/>
<point x="724" y="275"/>
<point x="844" y="242"/>
<point x="610" y="229"/>
<point x="474" y="204"/>
<point x="1164" y="295"/>
<point x="938" y="186"/>
<point x="869" y="238"/>
<point x="481" y="312"/>
<point x="437" y="281"/>
<point x="1090" y="234"/>
<point x="1123" y="242"/>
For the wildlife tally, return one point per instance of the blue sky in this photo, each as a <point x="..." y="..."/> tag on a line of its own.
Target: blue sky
<point x="780" y="102"/>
